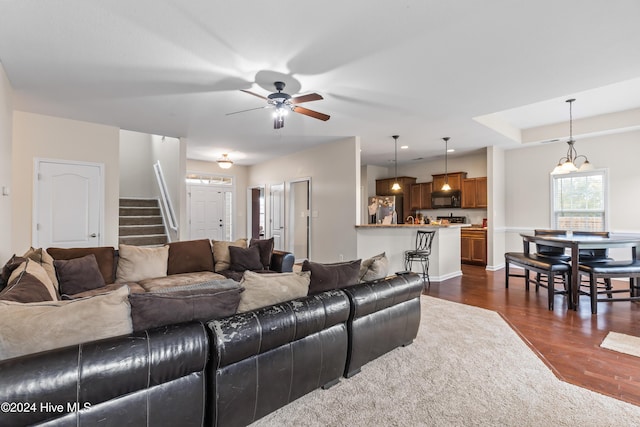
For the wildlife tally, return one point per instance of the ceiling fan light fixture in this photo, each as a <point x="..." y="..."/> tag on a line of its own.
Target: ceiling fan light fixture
<point x="225" y="162"/>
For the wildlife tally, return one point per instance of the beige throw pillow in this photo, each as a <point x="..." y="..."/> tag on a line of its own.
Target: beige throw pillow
<point x="137" y="263"/>
<point x="221" y="254"/>
<point x="46" y="261"/>
<point x="39" y="326"/>
<point x="261" y="290"/>
<point x="37" y="271"/>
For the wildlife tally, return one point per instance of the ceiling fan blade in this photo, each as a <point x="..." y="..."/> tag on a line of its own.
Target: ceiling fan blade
<point x="250" y="109"/>
<point x="306" y="98"/>
<point x="252" y="93"/>
<point x="311" y="113"/>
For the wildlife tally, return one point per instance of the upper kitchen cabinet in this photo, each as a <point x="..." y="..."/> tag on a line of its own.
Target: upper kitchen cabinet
<point x="421" y="196"/>
<point x="383" y="186"/>
<point x="455" y="180"/>
<point x="474" y="192"/>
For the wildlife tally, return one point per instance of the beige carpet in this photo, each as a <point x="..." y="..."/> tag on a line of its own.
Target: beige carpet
<point x="466" y="368"/>
<point x="622" y="343"/>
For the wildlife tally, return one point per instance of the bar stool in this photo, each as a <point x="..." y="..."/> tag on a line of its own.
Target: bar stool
<point x="421" y="253"/>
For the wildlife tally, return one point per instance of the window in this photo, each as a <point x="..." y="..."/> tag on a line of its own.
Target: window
<point x="579" y="201"/>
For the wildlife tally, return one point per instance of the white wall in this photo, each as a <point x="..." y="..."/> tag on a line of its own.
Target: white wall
<point x="6" y="125"/>
<point x="39" y="136"/>
<point x="136" y="166"/>
<point x="496" y="211"/>
<point x="474" y="164"/>
<point x="334" y="169"/>
<point x="527" y="183"/>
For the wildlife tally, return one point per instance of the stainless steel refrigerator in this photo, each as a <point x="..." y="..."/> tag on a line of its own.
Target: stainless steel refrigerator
<point x="385" y="210"/>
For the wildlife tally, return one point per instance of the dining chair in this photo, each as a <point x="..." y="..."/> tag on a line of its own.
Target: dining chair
<point x="421" y="252"/>
<point x="608" y="270"/>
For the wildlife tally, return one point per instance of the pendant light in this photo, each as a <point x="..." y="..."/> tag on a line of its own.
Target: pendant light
<point x="446" y="186"/>
<point x="225" y="162"/>
<point x="567" y="163"/>
<point x="396" y="185"/>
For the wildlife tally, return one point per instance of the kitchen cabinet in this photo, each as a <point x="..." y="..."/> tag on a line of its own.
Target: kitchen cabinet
<point x="473" y="246"/>
<point x="455" y="180"/>
<point x="420" y="196"/>
<point x="474" y="192"/>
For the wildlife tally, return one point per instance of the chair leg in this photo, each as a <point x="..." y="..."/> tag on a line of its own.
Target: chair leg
<point x="506" y="274"/>
<point x="607" y="286"/>
<point x="425" y="270"/>
<point x="593" y="286"/>
<point x="526" y="279"/>
<point x="550" y="289"/>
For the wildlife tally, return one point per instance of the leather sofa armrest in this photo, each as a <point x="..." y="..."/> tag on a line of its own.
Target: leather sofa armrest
<point x="282" y="261"/>
<point x="367" y="298"/>
<point x="134" y="379"/>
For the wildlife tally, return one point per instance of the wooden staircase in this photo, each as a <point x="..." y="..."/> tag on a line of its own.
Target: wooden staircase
<point x="141" y="223"/>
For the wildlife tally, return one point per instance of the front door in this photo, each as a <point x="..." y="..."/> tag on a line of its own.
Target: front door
<point x="69" y="204"/>
<point x="206" y="212"/>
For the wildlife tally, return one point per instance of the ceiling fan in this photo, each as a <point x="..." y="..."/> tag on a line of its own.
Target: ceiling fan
<point x="283" y="103"/>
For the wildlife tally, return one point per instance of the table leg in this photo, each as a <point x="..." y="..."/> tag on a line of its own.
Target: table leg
<point x="575" y="277"/>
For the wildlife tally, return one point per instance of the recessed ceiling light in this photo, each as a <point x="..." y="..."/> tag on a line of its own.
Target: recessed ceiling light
<point x="404" y="147"/>
<point x="450" y="150"/>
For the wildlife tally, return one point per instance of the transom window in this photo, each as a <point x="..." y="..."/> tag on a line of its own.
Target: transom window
<point x="579" y="201"/>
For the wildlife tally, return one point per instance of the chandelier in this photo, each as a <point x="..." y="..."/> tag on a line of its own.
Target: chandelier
<point x="569" y="162"/>
<point x="225" y="162"/>
<point x="396" y="186"/>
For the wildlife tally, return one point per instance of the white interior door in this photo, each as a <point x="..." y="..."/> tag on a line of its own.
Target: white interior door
<point x="69" y="204"/>
<point x="206" y="212"/>
<point x="277" y="216"/>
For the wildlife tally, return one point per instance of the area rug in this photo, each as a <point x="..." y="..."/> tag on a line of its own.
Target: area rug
<point x="467" y="367"/>
<point x="622" y="343"/>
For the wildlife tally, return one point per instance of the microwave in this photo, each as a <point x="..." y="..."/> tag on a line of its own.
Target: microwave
<point x="445" y="199"/>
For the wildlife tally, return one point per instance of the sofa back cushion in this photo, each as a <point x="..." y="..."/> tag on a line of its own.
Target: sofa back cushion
<point x="325" y="277"/>
<point x="105" y="256"/>
<point x="33" y="327"/>
<point x="29" y="282"/>
<point x="374" y="268"/>
<point x="78" y="274"/>
<point x="190" y="256"/>
<point x="221" y="255"/>
<point x="137" y="263"/>
<point x="13" y="263"/>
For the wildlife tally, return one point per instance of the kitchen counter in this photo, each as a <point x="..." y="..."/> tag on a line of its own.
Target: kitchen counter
<point x="394" y="239"/>
<point x="427" y="226"/>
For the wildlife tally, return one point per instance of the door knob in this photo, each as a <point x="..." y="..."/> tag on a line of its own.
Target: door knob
<point x="93" y="235"/>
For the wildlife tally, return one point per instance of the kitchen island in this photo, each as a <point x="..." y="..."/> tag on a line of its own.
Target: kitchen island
<point x="394" y="239"/>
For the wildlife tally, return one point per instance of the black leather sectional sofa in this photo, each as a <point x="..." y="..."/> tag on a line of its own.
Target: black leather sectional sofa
<point x="227" y="372"/>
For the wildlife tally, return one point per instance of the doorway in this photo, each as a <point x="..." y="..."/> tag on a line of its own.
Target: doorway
<point x="69" y="204"/>
<point x="277" y="219"/>
<point x="256" y="212"/>
<point x="299" y="218"/>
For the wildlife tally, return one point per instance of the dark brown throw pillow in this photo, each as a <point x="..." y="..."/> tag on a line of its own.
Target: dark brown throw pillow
<point x="8" y="268"/>
<point x="190" y="256"/>
<point x="183" y="304"/>
<point x="105" y="256"/>
<point x="338" y="275"/>
<point x="266" y="250"/>
<point x="243" y="259"/>
<point x="26" y="287"/>
<point x="78" y="274"/>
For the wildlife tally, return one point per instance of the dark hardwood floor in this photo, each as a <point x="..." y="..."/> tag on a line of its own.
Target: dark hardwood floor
<point x="567" y="340"/>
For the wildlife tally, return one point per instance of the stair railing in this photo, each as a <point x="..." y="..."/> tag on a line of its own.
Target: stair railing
<point x="166" y="207"/>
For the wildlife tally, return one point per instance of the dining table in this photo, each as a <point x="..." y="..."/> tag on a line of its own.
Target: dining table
<point x="574" y="243"/>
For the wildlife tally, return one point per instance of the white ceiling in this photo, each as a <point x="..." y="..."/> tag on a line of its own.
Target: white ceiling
<point x="422" y="69"/>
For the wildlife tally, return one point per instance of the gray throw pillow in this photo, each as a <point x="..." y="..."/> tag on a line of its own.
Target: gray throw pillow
<point x="78" y="274"/>
<point x="243" y="259"/>
<point x="325" y="277"/>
